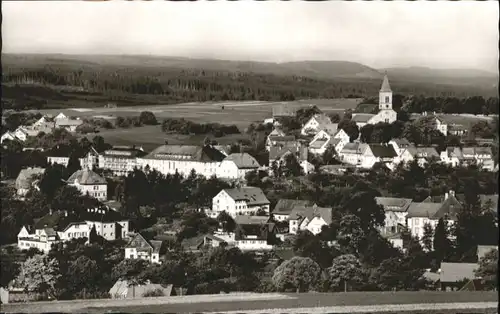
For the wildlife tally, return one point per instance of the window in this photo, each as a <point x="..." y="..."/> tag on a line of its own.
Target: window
<point x="387" y="99"/>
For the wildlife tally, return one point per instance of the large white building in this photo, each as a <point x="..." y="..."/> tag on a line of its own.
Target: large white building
<point x="236" y="166"/>
<point x="120" y="160"/>
<point x="89" y="182"/>
<point x="240" y="201"/>
<point x="59" y="227"/>
<point x="386" y="114"/>
<point x="167" y="159"/>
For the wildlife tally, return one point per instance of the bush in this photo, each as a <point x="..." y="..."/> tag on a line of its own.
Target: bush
<point x="153" y="293"/>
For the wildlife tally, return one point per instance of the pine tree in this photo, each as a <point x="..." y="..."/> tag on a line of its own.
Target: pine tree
<point x="427" y="237"/>
<point x="441" y="242"/>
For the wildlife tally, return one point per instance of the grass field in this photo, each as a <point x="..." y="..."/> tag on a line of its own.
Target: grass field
<point x="248" y="302"/>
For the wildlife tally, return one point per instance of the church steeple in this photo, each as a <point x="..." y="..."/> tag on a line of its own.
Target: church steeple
<point x="385" y="95"/>
<point x="385" y="85"/>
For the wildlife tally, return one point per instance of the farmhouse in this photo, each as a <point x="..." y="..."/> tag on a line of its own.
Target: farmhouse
<point x="317" y="123"/>
<point x="120" y="160"/>
<point x="309" y="218"/>
<point x="284" y="208"/>
<point x="28" y="179"/>
<point x="240" y="201"/>
<point x="140" y="248"/>
<point x="169" y="159"/>
<point x="236" y="166"/>
<point x="386" y="113"/>
<point x="324" y="138"/>
<point x="430" y="212"/>
<point x="89" y="182"/>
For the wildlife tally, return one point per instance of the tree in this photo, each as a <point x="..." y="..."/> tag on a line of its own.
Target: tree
<point x="130" y="270"/>
<point x="329" y="155"/>
<point x="442" y="244"/>
<point x="346" y="273"/>
<point x="291" y="166"/>
<point x="351" y="235"/>
<point x="148" y="118"/>
<point x="226" y="221"/>
<point x="488" y="269"/>
<point x="73" y="164"/>
<point x="40" y="274"/>
<point x="8" y="271"/>
<point x="427" y="237"/>
<point x="350" y="127"/>
<point x="298" y="274"/>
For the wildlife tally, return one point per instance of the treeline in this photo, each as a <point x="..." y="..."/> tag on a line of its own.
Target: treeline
<point x="471" y="105"/>
<point x="203" y="85"/>
<point x="183" y="126"/>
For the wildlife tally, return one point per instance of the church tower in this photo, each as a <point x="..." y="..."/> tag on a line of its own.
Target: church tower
<point x="385" y="95"/>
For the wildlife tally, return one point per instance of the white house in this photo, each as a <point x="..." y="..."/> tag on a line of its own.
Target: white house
<point x="69" y="125"/>
<point x="317" y="123"/>
<point x="28" y="179"/>
<point x="60" y="116"/>
<point x="452" y="156"/>
<point x="395" y="210"/>
<point x="140" y="248"/>
<point x="121" y="160"/>
<point x="430" y="211"/>
<point x="386" y="114"/>
<point x="352" y="153"/>
<point x="8" y="136"/>
<point x="60" y="155"/>
<point x="284" y="208"/>
<point x="253" y="233"/>
<point x="89" y="182"/>
<point x="309" y="218"/>
<point x="236" y="166"/>
<point x="377" y="153"/>
<point x="167" y="159"/>
<point x="442" y="126"/>
<point x="323" y="139"/>
<point x="400" y="144"/>
<point x="240" y="201"/>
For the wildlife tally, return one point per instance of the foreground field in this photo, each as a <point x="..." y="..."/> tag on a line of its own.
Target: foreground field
<point x="280" y="302"/>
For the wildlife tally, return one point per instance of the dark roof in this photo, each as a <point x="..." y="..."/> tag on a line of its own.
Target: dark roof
<point x="453" y="272"/>
<point x="253" y="195"/>
<point x="394" y="203"/>
<point x="250" y="220"/>
<point x="383" y="151"/>
<point x="243" y="161"/>
<point x="385" y="85"/>
<point x="86" y="177"/>
<point x="435" y="210"/>
<point x="124" y="152"/>
<point x="139" y="242"/>
<point x="311" y="212"/>
<point x="362" y="117"/>
<point x="354" y="148"/>
<point x="186" y="152"/>
<point x="285" y="206"/>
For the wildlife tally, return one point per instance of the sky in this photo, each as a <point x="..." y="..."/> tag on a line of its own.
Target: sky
<point x="379" y="34"/>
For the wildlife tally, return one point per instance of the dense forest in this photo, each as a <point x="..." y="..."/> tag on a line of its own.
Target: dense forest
<point x="40" y="86"/>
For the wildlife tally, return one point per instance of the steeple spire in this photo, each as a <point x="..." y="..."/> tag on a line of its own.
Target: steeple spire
<point x="385" y="84"/>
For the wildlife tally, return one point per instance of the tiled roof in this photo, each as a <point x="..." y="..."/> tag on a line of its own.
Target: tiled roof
<point x="354" y="148"/>
<point x="278" y="152"/>
<point x="394" y="203"/>
<point x="362" y="117"/>
<point x="454" y="152"/>
<point x="435" y="210"/>
<point x="323" y="212"/>
<point x="252" y="195"/>
<point x="86" y="177"/>
<point x="243" y="161"/>
<point x="453" y="272"/>
<point x="277" y="132"/>
<point x="385" y="85"/>
<point x="423" y="209"/>
<point x="250" y="220"/>
<point x="26" y="177"/>
<point x="427" y="152"/>
<point x="285" y="206"/>
<point x="383" y="151"/>
<point x="186" y="152"/>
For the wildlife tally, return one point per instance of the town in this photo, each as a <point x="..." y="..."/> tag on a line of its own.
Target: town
<point x="396" y="199"/>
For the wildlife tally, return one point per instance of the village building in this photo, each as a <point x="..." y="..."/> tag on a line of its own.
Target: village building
<point x="169" y="159"/>
<point x="400" y="145"/>
<point x="123" y="289"/>
<point x="68" y="124"/>
<point x="284" y="208"/>
<point x="240" y="201"/>
<point x="395" y="210"/>
<point x="328" y="137"/>
<point x="120" y="160"/>
<point x="452" y="276"/>
<point x="456" y="156"/>
<point x="385" y="114"/>
<point x="377" y="153"/>
<point x="61" y="153"/>
<point x="90" y="183"/>
<point x="278" y="157"/>
<point x="317" y="123"/>
<point x="352" y="153"/>
<point x="60" y="226"/>
<point x="27" y="179"/>
<point x="140" y="248"/>
<point x="278" y="139"/>
<point x="8" y="136"/>
<point x="309" y="218"/>
<point x="430" y="211"/>
<point x="236" y="166"/>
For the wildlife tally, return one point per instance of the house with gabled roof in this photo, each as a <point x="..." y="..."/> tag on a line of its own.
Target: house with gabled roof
<point x="245" y="200"/>
<point x="169" y="159"/>
<point x="400" y="144"/>
<point x="452" y="276"/>
<point x="352" y="153"/>
<point x="28" y="179"/>
<point x="60" y="155"/>
<point x="68" y="124"/>
<point x="377" y="153"/>
<point x="123" y="289"/>
<point x="140" y="248"/>
<point x="236" y="166"/>
<point x="317" y="123"/>
<point x="284" y="208"/>
<point x="311" y="218"/>
<point x="323" y="139"/>
<point x="430" y="211"/>
<point x="395" y="210"/>
<point x="278" y="155"/>
<point x="89" y="182"/>
<point x="254" y="233"/>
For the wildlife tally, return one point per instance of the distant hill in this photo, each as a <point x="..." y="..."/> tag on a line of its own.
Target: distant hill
<point x="315" y="69"/>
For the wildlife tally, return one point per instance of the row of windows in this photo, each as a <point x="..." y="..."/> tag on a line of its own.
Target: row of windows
<point x="77" y="234"/>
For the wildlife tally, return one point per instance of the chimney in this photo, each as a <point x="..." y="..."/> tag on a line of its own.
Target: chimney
<point x="446" y="195"/>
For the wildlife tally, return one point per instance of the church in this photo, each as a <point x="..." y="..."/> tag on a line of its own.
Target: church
<point x="386" y="113"/>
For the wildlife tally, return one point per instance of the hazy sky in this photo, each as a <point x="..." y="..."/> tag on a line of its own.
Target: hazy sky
<point x="437" y="34"/>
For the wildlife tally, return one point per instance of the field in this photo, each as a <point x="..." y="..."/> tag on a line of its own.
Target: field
<point x="239" y="113"/>
<point x="359" y="302"/>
